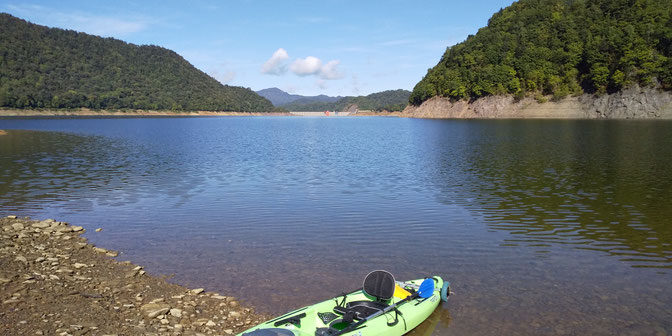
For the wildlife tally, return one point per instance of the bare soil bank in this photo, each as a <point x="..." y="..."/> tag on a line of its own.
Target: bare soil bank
<point x="89" y="113"/>
<point x="632" y="103"/>
<point x="52" y="282"/>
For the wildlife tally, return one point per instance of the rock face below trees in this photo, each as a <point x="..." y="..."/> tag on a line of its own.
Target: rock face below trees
<point x="52" y="282"/>
<point x="632" y="103"/>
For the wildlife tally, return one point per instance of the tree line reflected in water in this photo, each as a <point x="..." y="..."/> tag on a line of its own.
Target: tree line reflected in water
<point x="596" y="185"/>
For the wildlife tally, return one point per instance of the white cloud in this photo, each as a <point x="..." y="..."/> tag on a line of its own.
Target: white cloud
<point x="330" y="70"/>
<point x="313" y="66"/>
<point x="306" y="66"/>
<point x="321" y="83"/>
<point x="276" y="64"/>
<point x="309" y="66"/>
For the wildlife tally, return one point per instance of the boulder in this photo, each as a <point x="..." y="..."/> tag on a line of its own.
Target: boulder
<point x="152" y="310"/>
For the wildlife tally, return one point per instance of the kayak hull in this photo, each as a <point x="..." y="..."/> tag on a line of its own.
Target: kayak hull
<point x="321" y="319"/>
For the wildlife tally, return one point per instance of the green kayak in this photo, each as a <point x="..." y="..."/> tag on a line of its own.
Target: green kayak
<point x="382" y="307"/>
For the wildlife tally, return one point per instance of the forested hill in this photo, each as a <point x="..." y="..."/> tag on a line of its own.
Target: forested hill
<point x="558" y="47"/>
<point x="391" y="100"/>
<point x="43" y="67"/>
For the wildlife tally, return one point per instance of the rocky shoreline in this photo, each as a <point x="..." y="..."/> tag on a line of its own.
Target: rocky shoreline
<point x="53" y="282"/>
<point x="631" y="103"/>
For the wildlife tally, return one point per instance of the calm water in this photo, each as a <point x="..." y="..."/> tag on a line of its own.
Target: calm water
<point x="543" y="227"/>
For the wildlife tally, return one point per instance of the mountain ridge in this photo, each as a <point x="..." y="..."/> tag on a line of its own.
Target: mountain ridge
<point x="279" y="97"/>
<point x="53" y="68"/>
<point x="390" y="100"/>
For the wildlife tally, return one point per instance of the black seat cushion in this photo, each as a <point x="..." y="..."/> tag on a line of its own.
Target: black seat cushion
<point x="379" y="284"/>
<point x="360" y="309"/>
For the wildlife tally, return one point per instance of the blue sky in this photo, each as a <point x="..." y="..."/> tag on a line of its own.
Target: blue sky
<point x="303" y="47"/>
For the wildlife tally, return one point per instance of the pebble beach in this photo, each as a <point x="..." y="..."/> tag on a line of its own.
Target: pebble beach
<point x="53" y="282"/>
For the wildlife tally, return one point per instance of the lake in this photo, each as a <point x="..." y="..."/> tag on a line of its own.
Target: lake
<point x="542" y="226"/>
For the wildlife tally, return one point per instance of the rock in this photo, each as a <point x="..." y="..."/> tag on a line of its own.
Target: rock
<point x="233" y="304"/>
<point x="99" y="229"/>
<point x="210" y="324"/>
<point x="176" y="312"/>
<point x="17" y="226"/>
<point x="218" y="297"/>
<point x="4" y="280"/>
<point x="41" y="225"/>
<point x="200" y="322"/>
<point x="21" y="259"/>
<point x="228" y="331"/>
<point x="79" y="265"/>
<point x="196" y="291"/>
<point x="76" y="228"/>
<point x="40" y="259"/>
<point x="100" y="250"/>
<point x="178" y="327"/>
<point x="152" y="310"/>
<point x="12" y="217"/>
<point x="10" y="301"/>
<point x="234" y="314"/>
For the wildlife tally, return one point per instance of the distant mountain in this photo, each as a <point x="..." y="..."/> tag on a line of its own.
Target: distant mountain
<point x="281" y="98"/>
<point x="392" y="100"/>
<point x="43" y="67"/>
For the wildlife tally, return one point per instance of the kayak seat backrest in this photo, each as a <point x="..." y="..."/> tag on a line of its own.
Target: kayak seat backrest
<point x="377" y="284"/>
<point x="380" y="285"/>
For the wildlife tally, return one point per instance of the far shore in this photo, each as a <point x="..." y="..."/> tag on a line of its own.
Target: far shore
<point x="120" y="113"/>
<point x="151" y="113"/>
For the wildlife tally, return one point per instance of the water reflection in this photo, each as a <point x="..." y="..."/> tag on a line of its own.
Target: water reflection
<point x="78" y="173"/>
<point x="604" y="186"/>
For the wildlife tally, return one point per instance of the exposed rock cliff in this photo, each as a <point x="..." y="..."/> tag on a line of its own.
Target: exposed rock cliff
<point x="632" y="103"/>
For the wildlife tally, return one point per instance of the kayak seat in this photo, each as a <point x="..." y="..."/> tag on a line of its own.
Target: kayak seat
<point x="360" y="309"/>
<point x="380" y="286"/>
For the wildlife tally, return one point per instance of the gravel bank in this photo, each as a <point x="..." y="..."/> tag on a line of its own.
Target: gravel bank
<point x="52" y="282"/>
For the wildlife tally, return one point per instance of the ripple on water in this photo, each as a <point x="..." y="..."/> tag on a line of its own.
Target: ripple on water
<point x="537" y="223"/>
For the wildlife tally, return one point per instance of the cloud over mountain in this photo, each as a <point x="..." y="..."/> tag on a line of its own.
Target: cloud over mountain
<point x="309" y="66"/>
<point x="276" y="64"/>
<point x="306" y="66"/>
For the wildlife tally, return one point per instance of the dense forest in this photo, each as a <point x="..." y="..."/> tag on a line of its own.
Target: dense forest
<point x="558" y="48"/>
<point x="391" y="100"/>
<point x="43" y="67"/>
